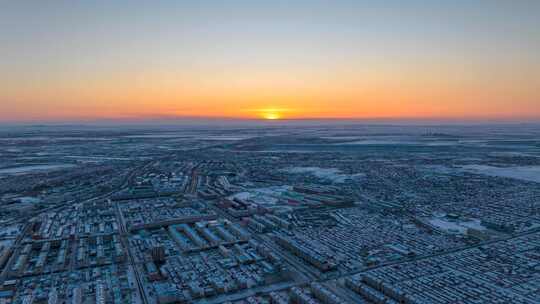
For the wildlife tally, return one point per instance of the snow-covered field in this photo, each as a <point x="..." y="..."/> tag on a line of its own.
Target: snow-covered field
<point x="456" y="227"/>
<point x="29" y="200"/>
<point x="190" y="136"/>
<point x="379" y="142"/>
<point x="331" y="174"/>
<point x="27" y="169"/>
<point x="223" y="137"/>
<point x="10" y="231"/>
<point x="528" y="173"/>
<point x="262" y="196"/>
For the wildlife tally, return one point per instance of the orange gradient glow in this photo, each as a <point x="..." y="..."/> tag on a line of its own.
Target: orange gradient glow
<point x="379" y="93"/>
<point x="272" y="113"/>
<point x="259" y="60"/>
<point x="271" y="116"/>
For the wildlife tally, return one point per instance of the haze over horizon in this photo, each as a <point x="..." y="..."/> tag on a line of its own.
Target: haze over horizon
<point x="424" y="60"/>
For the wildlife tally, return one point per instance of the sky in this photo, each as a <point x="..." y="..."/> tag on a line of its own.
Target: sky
<point x="84" y="60"/>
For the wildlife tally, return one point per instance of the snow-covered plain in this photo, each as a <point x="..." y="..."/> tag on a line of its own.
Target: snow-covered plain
<point x="457" y="227"/>
<point x="27" y="169"/>
<point x="528" y="173"/>
<point x="263" y="196"/>
<point x="331" y="174"/>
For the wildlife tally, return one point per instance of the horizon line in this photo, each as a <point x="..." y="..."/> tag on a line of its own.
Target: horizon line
<point x="172" y="120"/>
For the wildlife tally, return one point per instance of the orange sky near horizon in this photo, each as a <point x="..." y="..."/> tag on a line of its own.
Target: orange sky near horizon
<point x="288" y="94"/>
<point x="255" y="60"/>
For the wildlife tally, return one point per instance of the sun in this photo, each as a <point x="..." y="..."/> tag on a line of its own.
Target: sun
<point x="271" y="116"/>
<point x="271" y="113"/>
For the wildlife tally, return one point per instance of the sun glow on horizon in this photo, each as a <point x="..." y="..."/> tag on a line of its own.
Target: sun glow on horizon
<point x="271" y="113"/>
<point x="272" y="116"/>
<point x="255" y="60"/>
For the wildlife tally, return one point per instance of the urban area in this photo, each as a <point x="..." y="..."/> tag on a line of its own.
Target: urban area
<point x="270" y="214"/>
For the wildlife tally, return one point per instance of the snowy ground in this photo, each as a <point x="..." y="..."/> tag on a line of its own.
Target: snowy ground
<point x="29" y="200"/>
<point x="190" y="136"/>
<point x="379" y="142"/>
<point x="529" y="173"/>
<point x="10" y="231"/>
<point x="456" y="226"/>
<point x="27" y="169"/>
<point x="4" y="245"/>
<point x="331" y="174"/>
<point x="262" y="196"/>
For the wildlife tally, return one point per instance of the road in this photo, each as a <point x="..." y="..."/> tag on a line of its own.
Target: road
<point x="125" y="242"/>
